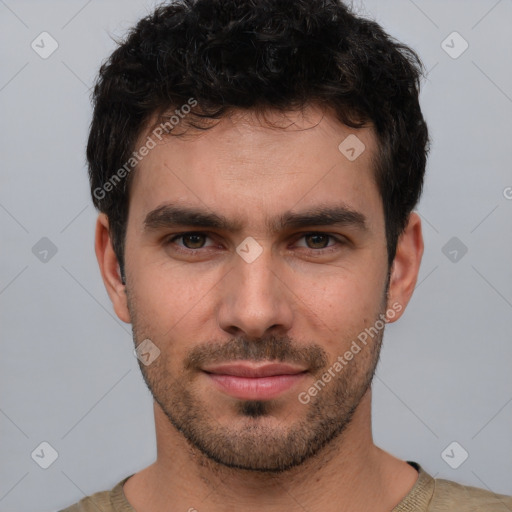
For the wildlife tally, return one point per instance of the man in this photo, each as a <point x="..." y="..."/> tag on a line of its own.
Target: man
<point x="256" y="164"/>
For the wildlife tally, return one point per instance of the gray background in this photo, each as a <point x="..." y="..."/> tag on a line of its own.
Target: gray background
<point x="68" y="374"/>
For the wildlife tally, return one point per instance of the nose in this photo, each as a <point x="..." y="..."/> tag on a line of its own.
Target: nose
<point x="255" y="298"/>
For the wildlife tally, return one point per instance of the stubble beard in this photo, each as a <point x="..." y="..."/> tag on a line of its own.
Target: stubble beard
<point x="254" y="441"/>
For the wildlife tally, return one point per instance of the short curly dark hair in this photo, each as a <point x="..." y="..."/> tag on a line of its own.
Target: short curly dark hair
<point x="259" y="55"/>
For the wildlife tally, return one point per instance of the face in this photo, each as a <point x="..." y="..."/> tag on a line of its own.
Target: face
<point x="255" y="259"/>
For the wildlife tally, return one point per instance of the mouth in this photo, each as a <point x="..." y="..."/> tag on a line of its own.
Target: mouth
<point x="250" y="381"/>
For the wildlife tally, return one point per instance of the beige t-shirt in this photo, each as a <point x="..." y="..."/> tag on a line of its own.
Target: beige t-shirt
<point x="427" y="495"/>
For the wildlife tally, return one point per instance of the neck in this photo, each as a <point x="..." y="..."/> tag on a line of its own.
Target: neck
<point x="350" y="473"/>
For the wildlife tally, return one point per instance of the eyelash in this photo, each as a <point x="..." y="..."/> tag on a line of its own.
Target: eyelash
<point x="325" y="250"/>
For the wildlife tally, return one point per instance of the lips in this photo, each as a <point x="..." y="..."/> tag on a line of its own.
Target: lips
<point x="249" y="381"/>
<point x="254" y="371"/>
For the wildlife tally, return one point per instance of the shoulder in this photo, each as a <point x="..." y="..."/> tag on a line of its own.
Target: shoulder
<point x="91" y="503"/>
<point x="439" y="495"/>
<point x="450" y="495"/>
<point x="113" y="500"/>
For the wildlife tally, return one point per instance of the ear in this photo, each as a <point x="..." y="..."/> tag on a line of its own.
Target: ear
<point x="406" y="265"/>
<point x="109" y="267"/>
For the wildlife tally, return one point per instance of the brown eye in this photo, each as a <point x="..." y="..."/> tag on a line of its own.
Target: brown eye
<point x="319" y="243"/>
<point x="317" y="240"/>
<point x="193" y="240"/>
<point x="190" y="241"/>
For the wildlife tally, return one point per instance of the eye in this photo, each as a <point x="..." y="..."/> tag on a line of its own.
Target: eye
<point x="318" y="242"/>
<point x="191" y="241"/>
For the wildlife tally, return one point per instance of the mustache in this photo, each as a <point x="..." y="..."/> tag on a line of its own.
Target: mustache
<point x="269" y="348"/>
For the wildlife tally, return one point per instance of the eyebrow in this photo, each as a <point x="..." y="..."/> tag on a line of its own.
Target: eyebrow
<point x="171" y="216"/>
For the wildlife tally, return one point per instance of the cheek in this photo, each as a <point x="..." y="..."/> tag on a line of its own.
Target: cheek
<point x="353" y="294"/>
<point x="339" y="307"/>
<point x="173" y="305"/>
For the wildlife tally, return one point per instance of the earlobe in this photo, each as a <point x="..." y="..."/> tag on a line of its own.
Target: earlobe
<point x="109" y="268"/>
<point x="406" y="265"/>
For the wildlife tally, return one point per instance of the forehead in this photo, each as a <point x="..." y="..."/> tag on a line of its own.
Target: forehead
<point x="252" y="169"/>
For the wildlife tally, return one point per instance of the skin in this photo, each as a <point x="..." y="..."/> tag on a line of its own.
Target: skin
<point x="314" y="304"/>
